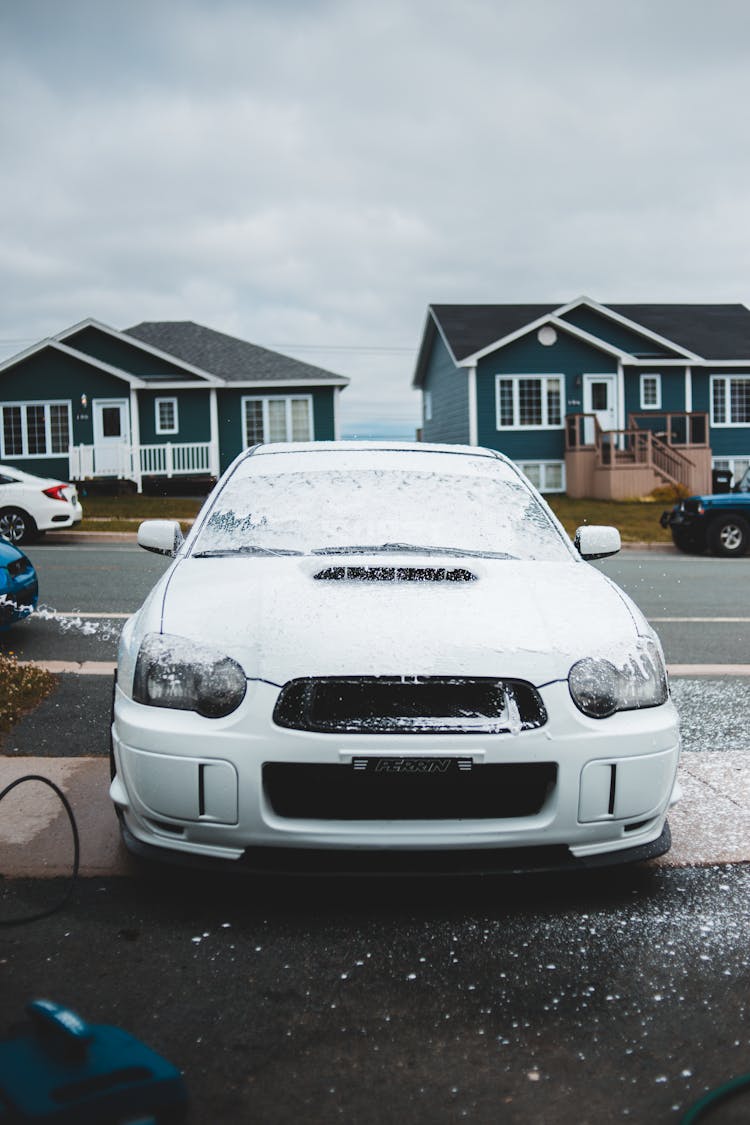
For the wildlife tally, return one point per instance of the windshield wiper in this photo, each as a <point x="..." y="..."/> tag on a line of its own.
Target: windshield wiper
<point x="223" y="552"/>
<point x="410" y="548"/>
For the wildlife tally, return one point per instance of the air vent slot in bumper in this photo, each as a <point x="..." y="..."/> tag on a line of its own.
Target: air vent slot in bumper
<point x="409" y="705"/>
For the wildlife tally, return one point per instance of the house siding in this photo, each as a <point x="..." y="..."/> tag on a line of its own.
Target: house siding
<point x="118" y="353"/>
<point x="725" y="441"/>
<point x="672" y="390"/>
<point x="568" y="357"/>
<point x="51" y="375"/>
<point x="619" y="335"/>
<point x="230" y="415"/>
<point x="449" y="388"/>
<point x="193" y="416"/>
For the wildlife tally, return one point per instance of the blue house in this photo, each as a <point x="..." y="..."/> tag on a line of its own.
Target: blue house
<point x="162" y="399"/>
<point x="604" y="401"/>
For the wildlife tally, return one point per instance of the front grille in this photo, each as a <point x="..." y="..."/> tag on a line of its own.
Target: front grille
<point x="339" y="792"/>
<point x="395" y="574"/>
<point x="409" y="705"/>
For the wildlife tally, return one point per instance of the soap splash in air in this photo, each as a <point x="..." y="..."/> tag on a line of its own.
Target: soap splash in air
<point x="105" y="628"/>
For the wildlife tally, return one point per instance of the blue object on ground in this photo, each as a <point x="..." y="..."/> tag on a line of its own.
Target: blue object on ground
<point x="69" y="1072"/>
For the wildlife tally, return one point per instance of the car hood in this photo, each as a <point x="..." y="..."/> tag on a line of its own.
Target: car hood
<point x="281" y="620"/>
<point x="723" y="500"/>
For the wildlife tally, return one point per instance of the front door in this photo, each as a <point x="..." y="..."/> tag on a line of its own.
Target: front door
<point x="599" y="398"/>
<point x="111" y="419"/>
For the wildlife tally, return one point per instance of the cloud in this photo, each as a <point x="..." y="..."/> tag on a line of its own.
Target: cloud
<point x="312" y="175"/>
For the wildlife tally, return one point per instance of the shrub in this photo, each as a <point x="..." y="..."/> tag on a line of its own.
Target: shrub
<point x="22" y="686"/>
<point x="669" y="493"/>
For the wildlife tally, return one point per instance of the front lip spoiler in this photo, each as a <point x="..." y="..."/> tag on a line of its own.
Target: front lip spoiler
<point x="325" y="862"/>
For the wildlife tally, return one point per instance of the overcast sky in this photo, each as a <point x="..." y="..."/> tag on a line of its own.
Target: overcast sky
<point x="311" y="175"/>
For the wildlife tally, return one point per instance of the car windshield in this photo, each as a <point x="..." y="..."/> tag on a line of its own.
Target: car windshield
<point x="386" y="511"/>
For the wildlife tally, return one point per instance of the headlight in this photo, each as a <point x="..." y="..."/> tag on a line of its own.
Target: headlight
<point x="600" y="687"/>
<point x="176" y="672"/>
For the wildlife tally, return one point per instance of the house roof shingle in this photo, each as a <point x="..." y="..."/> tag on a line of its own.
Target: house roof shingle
<point x="227" y="356"/>
<point x="710" y="331"/>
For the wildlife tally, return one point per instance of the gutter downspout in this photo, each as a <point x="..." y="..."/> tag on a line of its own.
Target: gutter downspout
<point x="473" y="420"/>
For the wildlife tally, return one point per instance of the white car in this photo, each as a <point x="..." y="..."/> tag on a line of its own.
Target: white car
<point x="389" y="656"/>
<point x="30" y="505"/>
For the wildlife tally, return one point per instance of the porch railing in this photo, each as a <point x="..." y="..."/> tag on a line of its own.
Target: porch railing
<point x="175" y="459"/>
<point x="133" y="462"/>
<point x="673" y="427"/>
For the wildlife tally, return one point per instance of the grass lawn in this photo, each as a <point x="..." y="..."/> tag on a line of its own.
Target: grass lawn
<point x="637" y="520"/>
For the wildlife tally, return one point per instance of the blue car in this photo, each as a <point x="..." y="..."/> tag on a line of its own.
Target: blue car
<point x="18" y="585"/>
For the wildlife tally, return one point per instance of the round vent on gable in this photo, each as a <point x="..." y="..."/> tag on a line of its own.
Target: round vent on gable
<point x="547" y="335"/>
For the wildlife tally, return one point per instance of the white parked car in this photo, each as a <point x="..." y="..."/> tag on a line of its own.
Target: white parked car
<point x="393" y="653"/>
<point x="30" y="505"/>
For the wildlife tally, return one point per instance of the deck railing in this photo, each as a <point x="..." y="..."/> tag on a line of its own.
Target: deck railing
<point x="619" y="449"/>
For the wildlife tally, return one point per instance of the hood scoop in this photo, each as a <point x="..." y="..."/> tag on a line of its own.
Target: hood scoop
<point x="394" y="574"/>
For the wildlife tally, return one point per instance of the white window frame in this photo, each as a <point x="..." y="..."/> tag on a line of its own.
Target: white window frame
<point x="543" y="465"/>
<point x="657" y="382"/>
<point x="46" y="403"/>
<point x="726" y="380"/>
<point x="427" y="404"/>
<point x="544" y="380"/>
<point x="288" y="399"/>
<point x="158" y="426"/>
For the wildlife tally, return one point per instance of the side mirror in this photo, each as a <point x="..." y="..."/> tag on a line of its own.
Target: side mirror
<point x="597" y="542"/>
<point x="163" y="537"/>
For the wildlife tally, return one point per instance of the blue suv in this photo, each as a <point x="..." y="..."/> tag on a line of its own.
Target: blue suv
<point x="719" y="522"/>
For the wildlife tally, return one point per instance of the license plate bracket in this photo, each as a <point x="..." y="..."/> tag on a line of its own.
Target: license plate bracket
<point x="412" y="766"/>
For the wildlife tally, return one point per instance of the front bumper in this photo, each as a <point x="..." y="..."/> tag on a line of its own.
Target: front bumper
<point x="18" y="599"/>
<point x="195" y="786"/>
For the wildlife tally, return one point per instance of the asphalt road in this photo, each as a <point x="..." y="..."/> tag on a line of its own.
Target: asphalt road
<point x="689" y="601"/>
<point x="699" y="606"/>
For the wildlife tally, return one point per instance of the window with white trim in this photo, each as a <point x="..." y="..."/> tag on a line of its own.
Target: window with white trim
<point x="35" y="429"/>
<point x="166" y="416"/>
<point x="427" y="404"/>
<point x="737" y="466"/>
<point x="730" y="400"/>
<point x="276" y="418"/>
<point x="547" y="476"/>
<point x="650" y="392"/>
<point x="528" y="402"/>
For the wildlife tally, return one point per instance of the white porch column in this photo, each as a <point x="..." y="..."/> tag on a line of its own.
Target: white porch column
<point x="135" y="440"/>
<point x="473" y="420"/>
<point x="213" y="413"/>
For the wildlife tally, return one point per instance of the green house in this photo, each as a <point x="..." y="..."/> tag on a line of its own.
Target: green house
<point x="161" y="399"/>
<point x="606" y="401"/>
